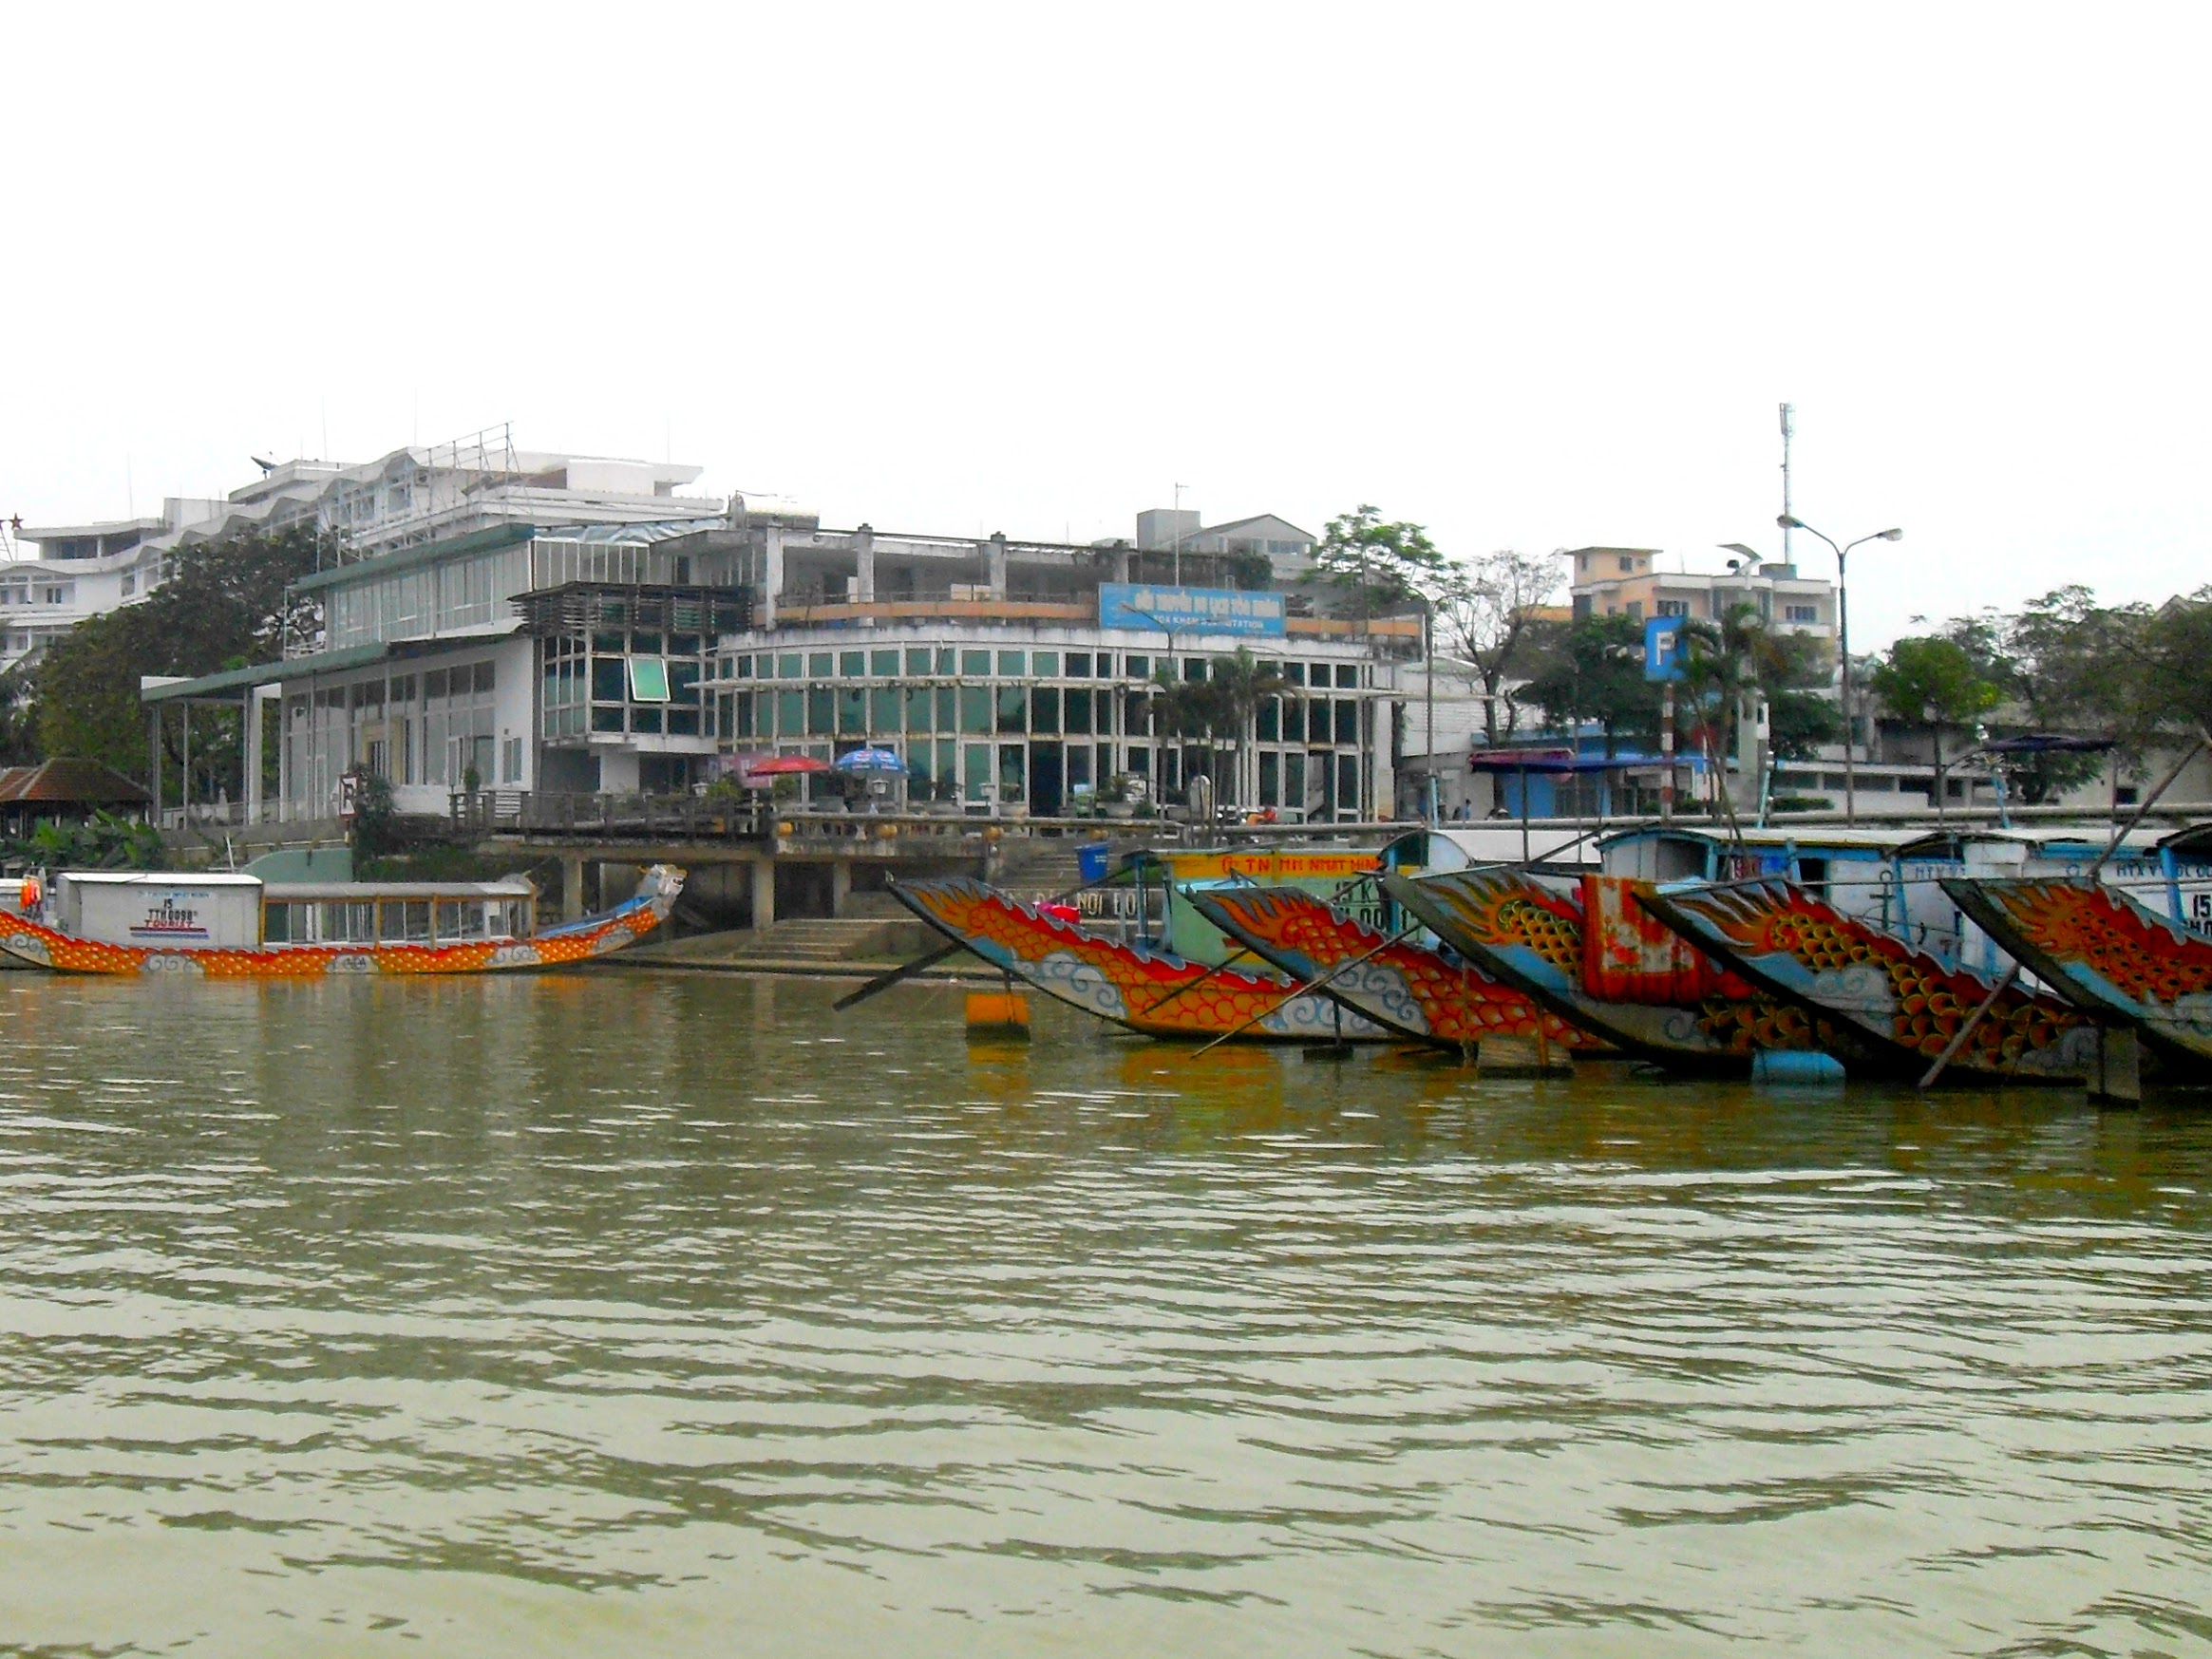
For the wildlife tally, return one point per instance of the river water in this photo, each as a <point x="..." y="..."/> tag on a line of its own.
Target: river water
<point x="638" y="1312"/>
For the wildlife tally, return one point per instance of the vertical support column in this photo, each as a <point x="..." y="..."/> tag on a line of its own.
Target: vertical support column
<point x="154" y="757"/>
<point x="251" y="781"/>
<point x="994" y="551"/>
<point x="841" y="885"/>
<point x="1667" y="751"/>
<point x="764" y="883"/>
<point x="864" y="552"/>
<point x="572" y="886"/>
<point x="772" y="574"/>
<point x="184" y="793"/>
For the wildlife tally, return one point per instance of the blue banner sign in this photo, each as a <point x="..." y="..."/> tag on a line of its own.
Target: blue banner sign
<point x="1188" y="610"/>
<point x="1663" y="648"/>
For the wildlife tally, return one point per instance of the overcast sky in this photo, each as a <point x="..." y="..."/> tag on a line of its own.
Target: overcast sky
<point x="1534" y="277"/>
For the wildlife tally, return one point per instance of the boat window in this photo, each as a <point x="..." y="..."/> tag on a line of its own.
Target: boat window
<point x="276" y="924"/>
<point x="348" y="922"/>
<point x="514" y="917"/>
<point x="460" y="919"/>
<point x="407" y="921"/>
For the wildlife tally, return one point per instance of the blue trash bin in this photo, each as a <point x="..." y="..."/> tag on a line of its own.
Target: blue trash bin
<point x="1094" y="859"/>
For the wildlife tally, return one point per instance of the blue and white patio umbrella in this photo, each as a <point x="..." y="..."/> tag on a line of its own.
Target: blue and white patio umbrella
<point x="870" y="760"/>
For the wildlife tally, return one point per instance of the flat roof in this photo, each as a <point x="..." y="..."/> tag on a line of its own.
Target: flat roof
<point x="406" y="558"/>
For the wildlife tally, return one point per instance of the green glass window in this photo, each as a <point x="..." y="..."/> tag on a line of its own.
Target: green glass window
<point x="821" y="711"/>
<point x="883" y="662"/>
<point x="1293" y="779"/>
<point x="1078" y="707"/>
<point x="743" y="715"/>
<point x="612" y="643"/>
<point x="1269" y="780"/>
<point x="645" y="644"/>
<point x="1044" y="662"/>
<point x="975" y="708"/>
<point x="790" y="714"/>
<point x="947" y="719"/>
<point x="974" y="662"/>
<point x="918" y="659"/>
<point x="1010" y="662"/>
<point x="948" y="761"/>
<point x="852" y="711"/>
<point x="852" y="664"/>
<point x="817" y="665"/>
<point x="918" y="708"/>
<point x="978" y="767"/>
<point x="607" y="679"/>
<point x="1044" y="709"/>
<point x="1348" y="676"/>
<point x="1270" y="724"/>
<point x="883" y="708"/>
<point x="643" y="718"/>
<point x="1140" y="667"/>
<point x="944" y="666"/>
<point x="607" y="719"/>
<point x="917" y="770"/>
<point x="683" y="645"/>
<point x="1013" y="706"/>
<point x="684" y="683"/>
<point x="1317" y="721"/>
<point x="1346" y="721"/>
<point x="649" y="680"/>
<point x="1079" y="665"/>
<point x="788" y="666"/>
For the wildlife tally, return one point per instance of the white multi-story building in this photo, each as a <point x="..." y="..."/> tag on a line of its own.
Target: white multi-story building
<point x="410" y="497"/>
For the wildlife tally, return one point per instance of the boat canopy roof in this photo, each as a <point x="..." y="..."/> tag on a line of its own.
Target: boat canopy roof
<point x="1493" y="841"/>
<point x="161" y="879"/>
<point x="1876" y="838"/>
<point x="507" y="887"/>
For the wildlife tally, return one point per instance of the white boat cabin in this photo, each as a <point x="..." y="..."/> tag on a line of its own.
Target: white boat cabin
<point x="224" y="910"/>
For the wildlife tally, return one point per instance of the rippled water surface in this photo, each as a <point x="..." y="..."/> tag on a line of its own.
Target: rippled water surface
<point x="642" y="1313"/>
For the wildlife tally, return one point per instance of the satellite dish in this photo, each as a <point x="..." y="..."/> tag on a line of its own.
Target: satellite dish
<point x="267" y="466"/>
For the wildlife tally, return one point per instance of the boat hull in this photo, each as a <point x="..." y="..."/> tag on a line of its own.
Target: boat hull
<point x="572" y="942"/>
<point x="2108" y="954"/>
<point x="1154" y="992"/>
<point x="1905" y="1005"/>
<point x="1669" y="1006"/>
<point x="1406" y="987"/>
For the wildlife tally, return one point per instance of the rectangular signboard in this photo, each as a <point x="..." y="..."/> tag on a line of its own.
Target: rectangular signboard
<point x="1188" y="611"/>
<point x="1663" y="648"/>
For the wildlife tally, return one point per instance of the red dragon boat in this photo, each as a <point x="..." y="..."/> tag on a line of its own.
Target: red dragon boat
<point x="1904" y="1003"/>
<point x="1404" y="986"/>
<point x="2109" y="955"/>
<point x="1590" y="956"/>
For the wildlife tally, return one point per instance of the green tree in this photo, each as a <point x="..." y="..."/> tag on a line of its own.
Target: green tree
<point x="1933" y="681"/>
<point x="1489" y="613"/>
<point x="1592" y="669"/>
<point x="226" y="604"/>
<point x="18" y="717"/>
<point x="1378" y="566"/>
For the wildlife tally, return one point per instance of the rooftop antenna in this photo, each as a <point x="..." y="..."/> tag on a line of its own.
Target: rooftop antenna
<point x="1788" y="431"/>
<point x="1179" y="489"/>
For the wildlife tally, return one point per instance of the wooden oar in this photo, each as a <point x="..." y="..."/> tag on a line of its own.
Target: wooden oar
<point x="1310" y="986"/>
<point x="885" y="981"/>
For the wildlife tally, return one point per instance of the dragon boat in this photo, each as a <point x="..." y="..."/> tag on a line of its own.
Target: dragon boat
<point x="2109" y="955"/>
<point x="1589" y="955"/>
<point x="1905" y="1004"/>
<point x="228" y="925"/>
<point x="1151" y="991"/>
<point x="1394" y="982"/>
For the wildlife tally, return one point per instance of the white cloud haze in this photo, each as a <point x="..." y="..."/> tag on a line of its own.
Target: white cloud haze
<point x="1534" y="277"/>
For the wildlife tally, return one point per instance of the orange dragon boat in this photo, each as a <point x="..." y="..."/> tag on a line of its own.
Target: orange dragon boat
<point x="1144" y="988"/>
<point x="223" y="925"/>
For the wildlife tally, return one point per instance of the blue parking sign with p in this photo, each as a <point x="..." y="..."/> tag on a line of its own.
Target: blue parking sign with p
<point x="1663" y="648"/>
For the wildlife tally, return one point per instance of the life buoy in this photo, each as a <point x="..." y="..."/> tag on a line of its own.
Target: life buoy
<point x="29" y="896"/>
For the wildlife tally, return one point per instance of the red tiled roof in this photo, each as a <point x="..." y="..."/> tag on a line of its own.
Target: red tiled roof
<point x="86" y="782"/>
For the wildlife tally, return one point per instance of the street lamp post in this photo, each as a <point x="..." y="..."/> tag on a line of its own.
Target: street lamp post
<point x="1790" y="522"/>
